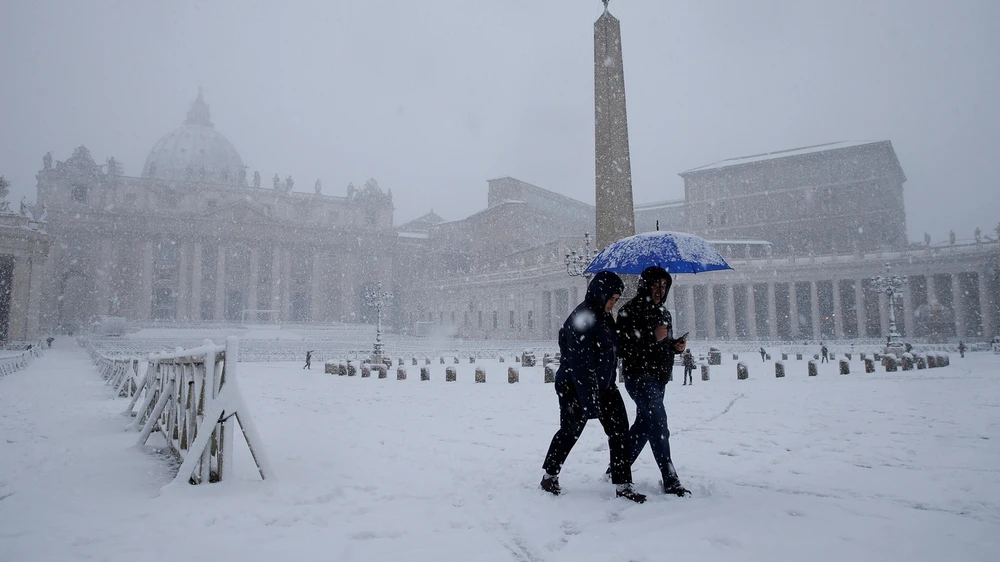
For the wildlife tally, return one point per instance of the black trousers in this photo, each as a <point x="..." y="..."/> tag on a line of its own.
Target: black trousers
<point x="614" y="418"/>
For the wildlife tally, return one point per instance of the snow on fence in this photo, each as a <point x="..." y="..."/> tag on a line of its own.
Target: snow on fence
<point x="191" y="396"/>
<point x="16" y="361"/>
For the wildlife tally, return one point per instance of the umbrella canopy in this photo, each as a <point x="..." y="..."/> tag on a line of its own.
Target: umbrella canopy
<point x="677" y="252"/>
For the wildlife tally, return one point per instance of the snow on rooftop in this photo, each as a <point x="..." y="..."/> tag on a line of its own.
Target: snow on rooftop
<point x="779" y="154"/>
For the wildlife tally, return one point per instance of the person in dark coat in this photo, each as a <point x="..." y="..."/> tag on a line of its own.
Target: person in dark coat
<point x="762" y="355"/>
<point x="585" y="385"/>
<point x="309" y="356"/>
<point x="648" y="347"/>
<point x="688" y="366"/>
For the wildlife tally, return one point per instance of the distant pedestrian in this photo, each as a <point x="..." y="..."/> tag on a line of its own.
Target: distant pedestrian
<point x="825" y="353"/>
<point x="49" y="340"/>
<point x="762" y="355"/>
<point x="308" y="365"/>
<point x="688" y="366"/>
<point x="961" y="348"/>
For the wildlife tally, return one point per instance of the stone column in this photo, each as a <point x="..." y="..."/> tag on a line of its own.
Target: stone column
<point x="146" y="288"/>
<point x="883" y="313"/>
<point x="814" y="309"/>
<point x="931" y="289"/>
<point x="772" y="312"/>
<point x="986" y="305"/>
<point x="793" y="310"/>
<point x="730" y="312"/>
<point x="838" y="319"/>
<point x="691" y="315"/>
<point x="102" y="281"/>
<point x="751" y="311"/>
<point x="958" y="304"/>
<point x="317" y="308"/>
<point x="907" y="313"/>
<point x="859" y="306"/>
<point x="195" y="310"/>
<point x="614" y="209"/>
<point x="20" y="290"/>
<point x="276" y="280"/>
<point x="710" y="311"/>
<point x="36" y="272"/>
<point x="220" y="283"/>
<point x="254" y="277"/>
<point x="183" y="275"/>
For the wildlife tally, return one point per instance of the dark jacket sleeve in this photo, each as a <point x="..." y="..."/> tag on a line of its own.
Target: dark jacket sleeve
<point x="580" y="346"/>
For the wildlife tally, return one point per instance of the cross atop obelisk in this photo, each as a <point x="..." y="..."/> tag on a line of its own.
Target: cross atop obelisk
<point x="614" y="209"/>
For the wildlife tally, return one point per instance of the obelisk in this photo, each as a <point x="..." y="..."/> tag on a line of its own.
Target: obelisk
<point x="614" y="209"/>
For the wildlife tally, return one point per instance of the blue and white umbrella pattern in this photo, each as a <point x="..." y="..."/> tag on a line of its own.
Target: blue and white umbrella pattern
<point x="676" y="252"/>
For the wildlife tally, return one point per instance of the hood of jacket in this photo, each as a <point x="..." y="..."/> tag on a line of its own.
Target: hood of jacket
<point x="602" y="287"/>
<point x="649" y="277"/>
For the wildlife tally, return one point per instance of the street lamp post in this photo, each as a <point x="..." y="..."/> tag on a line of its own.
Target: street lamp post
<point x="377" y="299"/>
<point x="892" y="286"/>
<point x="577" y="261"/>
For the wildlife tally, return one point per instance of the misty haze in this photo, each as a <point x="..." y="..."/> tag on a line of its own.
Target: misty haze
<point x="350" y="280"/>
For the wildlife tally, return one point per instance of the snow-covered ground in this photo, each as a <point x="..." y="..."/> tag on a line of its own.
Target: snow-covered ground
<point x="902" y="466"/>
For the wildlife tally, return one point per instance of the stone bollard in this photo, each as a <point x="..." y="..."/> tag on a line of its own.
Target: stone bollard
<point x="550" y="372"/>
<point x="425" y="373"/>
<point x="382" y="371"/>
<point x="414" y="361"/>
<point x="513" y="375"/>
<point x="813" y="369"/>
<point x="456" y="360"/>
<point x="845" y="367"/>
<point x="921" y="362"/>
<point x="798" y="357"/>
<point x="947" y="359"/>
<point x="906" y="362"/>
<point x="450" y="375"/>
<point x="877" y="356"/>
<point x="714" y="357"/>
<point x="864" y="356"/>
<point x="501" y="358"/>
<point x="387" y="362"/>
<point x="366" y="371"/>
<point x="742" y="373"/>
<point x="831" y="356"/>
<point x="779" y="370"/>
<point x="352" y="371"/>
<point x="400" y="373"/>
<point x="427" y="361"/>
<point x="848" y="356"/>
<point x="736" y="357"/>
<point x="815" y="356"/>
<point x="704" y="372"/>
<point x="342" y="370"/>
<point x="784" y="357"/>
<point x="472" y="359"/>
<point x="869" y="365"/>
<point x="931" y="362"/>
<point x="400" y="360"/>
<point x="330" y="368"/>
<point x="767" y="356"/>
<point x="480" y="374"/>
<point x="889" y="361"/>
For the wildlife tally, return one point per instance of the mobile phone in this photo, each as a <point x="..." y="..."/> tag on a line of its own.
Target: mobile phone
<point x="684" y="336"/>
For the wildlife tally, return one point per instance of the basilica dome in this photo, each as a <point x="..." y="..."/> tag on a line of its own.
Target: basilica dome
<point x="195" y="152"/>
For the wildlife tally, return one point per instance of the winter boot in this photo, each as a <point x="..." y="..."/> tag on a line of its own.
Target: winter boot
<point x="672" y="486"/>
<point x="627" y="491"/>
<point x="551" y="484"/>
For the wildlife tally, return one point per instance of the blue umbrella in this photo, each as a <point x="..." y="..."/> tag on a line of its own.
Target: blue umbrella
<point x="677" y="252"/>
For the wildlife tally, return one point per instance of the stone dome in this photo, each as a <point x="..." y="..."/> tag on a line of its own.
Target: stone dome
<point x="195" y="152"/>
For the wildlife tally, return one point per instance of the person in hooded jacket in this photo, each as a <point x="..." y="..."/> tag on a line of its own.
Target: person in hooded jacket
<point x="585" y="385"/>
<point x="647" y="350"/>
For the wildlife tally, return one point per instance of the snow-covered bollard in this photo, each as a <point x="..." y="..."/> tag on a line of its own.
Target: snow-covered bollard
<point x="848" y="356"/>
<point x="813" y="368"/>
<point x="767" y="356"/>
<point x="414" y="361"/>
<point x="366" y="371"/>
<point x="906" y="361"/>
<point x="920" y="362"/>
<point x="736" y="357"/>
<point x="931" y="361"/>
<point x="387" y="362"/>
<point x="877" y="356"/>
<point x="869" y="365"/>
<point x="845" y="367"/>
<point x="501" y="358"/>
<point x="550" y="372"/>
<point x="382" y="371"/>
<point x="342" y="369"/>
<point x="425" y="373"/>
<point x="472" y="359"/>
<point x="481" y="374"/>
<point x="831" y="356"/>
<point x="714" y="356"/>
<point x="400" y="361"/>
<point x="401" y="373"/>
<point x="330" y="368"/>
<point x="704" y="372"/>
<point x="947" y="359"/>
<point x="815" y="356"/>
<point x="864" y="356"/>
<point x="450" y="375"/>
<point x="798" y="357"/>
<point x="784" y="357"/>
<point x="427" y="360"/>
<point x="742" y="373"/>
<point x="352" y="370"/>
<point x="779" y="370"/>
<point x="513" y="375"/>
<point x="455" y="361"/>
<point x="890" y="363"/>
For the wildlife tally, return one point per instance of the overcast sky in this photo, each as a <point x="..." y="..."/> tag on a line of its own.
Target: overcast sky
<point x="433" y="98"/>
